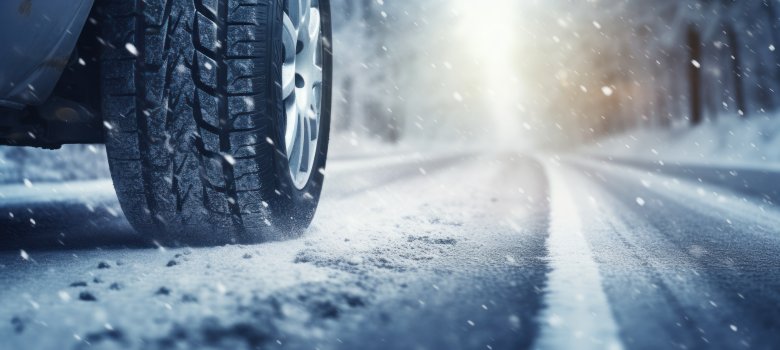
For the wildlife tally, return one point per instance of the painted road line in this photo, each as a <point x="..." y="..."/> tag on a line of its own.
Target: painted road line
<point x="577" y="314"/>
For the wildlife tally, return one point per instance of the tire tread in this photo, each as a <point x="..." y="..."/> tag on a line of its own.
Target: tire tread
<point x="189" y="115"/>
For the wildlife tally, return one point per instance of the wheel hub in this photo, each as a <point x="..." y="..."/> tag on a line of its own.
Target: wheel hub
<point x="301" y="86"/>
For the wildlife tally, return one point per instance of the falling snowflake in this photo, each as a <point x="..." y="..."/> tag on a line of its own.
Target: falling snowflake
<point x="229" y="159"/>
<point x="131" y="49"/>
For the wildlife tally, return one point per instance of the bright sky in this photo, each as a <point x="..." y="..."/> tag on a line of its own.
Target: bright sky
<point x="492" y="33"/>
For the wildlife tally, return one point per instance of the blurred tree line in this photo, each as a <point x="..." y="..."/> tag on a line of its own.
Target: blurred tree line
<point x="667" y="62"/>
<point x="394" y="77"/>
<point x="589" y="68"/>
<point x="360" y="33"/>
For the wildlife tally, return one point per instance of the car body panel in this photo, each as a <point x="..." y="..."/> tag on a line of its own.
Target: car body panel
<point x="37" y="39"/>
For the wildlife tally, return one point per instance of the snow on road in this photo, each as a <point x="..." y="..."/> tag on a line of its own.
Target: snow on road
<point x="683" y="268"/>
<point x="395" y="255"/>
<point x="410" y="251"/>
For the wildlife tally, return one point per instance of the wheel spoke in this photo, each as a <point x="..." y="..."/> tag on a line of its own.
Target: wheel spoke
<point x="293" y="10"/>
<point x="302" y="144"/>
<point x="316" y="76"/>
<point x="303" y="96"/>
<point x="295" y="157"/>
<point x="313" y="118"/>
<point x="317" y="99"/>
<point x="304" y="6"/>
<point x="291" y="115"/>
<point x="288" y="82"/>
<point x="307" y="139"/>
<point x="289" y="39"/>
<point x="313" y="26"/>
<point x="312" y="110"/>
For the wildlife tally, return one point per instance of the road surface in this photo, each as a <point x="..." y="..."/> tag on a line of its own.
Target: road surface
<point x="409" y="251"/>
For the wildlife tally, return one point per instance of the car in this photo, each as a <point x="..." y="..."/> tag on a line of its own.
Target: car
<point x="215" y="114"/>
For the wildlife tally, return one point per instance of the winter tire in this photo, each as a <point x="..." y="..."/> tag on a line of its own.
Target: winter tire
<point x="217" y="115"/>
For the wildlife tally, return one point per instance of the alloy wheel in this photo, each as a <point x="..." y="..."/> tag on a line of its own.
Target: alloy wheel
<point x="302" y="85"/>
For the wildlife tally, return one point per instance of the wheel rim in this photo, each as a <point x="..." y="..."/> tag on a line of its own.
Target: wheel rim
<point x="302" y="86"/>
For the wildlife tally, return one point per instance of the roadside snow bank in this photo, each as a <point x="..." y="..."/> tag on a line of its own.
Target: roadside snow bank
<point x="753" y="142"/>
<point x="88" y="162"/>
<point x="71" y="162"/>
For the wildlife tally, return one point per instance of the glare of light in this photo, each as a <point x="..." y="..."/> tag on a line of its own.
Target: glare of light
<point x="489" y="33"/>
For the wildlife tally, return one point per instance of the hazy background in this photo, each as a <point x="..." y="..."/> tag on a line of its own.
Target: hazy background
<point x="554" y="72"/>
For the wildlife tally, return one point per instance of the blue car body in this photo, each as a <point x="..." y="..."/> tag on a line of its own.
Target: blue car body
<point x="37" y="39"/>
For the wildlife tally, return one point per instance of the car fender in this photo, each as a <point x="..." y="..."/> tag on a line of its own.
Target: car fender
<point x="37" y="38"/>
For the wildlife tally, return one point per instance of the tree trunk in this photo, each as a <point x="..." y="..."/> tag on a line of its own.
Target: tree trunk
<point x="694" y="75"/>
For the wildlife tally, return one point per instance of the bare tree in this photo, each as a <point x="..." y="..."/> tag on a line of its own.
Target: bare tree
<point x="694" y="74"/>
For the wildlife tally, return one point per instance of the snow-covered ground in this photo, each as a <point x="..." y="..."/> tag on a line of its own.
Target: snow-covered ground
<point x="412" y="252"/>
<point x="70" y="163"/>
<point x="88" y="162"/>
<point x="751" y="143"/>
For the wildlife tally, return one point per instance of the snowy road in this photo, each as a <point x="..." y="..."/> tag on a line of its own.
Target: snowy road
<point x="461" y="251"/>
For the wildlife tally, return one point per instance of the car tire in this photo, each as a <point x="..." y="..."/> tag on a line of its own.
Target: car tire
<point x="197" y="122"/>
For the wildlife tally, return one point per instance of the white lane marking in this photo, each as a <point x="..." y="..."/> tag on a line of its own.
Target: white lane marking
<point x="577" y="313"/>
